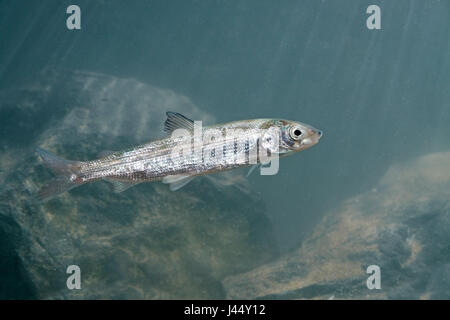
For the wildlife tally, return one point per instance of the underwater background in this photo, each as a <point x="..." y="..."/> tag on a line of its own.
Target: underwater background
<point x="374" y="191"/>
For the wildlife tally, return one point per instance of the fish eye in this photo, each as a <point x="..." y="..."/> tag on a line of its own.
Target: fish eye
<point x="295" y="133"/>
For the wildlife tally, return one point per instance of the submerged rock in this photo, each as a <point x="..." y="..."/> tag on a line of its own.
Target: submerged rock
<point x="402" y="225"/>
<point x="146" y="242"/>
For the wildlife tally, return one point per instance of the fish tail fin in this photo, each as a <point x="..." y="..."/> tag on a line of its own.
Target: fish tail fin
<point x="67" y="174"/>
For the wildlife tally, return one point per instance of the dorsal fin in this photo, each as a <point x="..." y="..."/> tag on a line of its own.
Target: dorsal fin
<point x="105" y="153"/>
<point x="175" y="121"/>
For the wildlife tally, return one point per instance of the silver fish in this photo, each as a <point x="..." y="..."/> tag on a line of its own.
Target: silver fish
<point x="188" y="151"/>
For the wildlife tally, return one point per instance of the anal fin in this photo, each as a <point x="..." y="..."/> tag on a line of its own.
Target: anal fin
<point x="177" y="181"/>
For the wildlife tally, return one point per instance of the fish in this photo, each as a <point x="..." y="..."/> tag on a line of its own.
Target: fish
<point x="188" y="150"/>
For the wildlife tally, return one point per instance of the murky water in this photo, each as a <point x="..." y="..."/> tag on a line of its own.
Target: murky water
<point x="374" y="191"/>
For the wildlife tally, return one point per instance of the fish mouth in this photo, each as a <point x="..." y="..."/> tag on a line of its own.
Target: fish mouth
<point x="319" y="134"/>
<point x="312" y="140"/>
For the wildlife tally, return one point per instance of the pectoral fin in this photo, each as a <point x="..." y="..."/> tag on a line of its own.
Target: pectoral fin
<point x="251" y="170"/>
<point x="177" y="181"/>
<point x="121" y="186"/>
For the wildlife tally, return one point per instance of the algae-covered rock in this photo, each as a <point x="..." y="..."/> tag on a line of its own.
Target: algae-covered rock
<point x="402" y="225"/>
<point x="146" y="242"/>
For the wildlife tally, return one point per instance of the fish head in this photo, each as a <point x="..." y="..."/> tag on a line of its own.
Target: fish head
<point x="285" y="136"/>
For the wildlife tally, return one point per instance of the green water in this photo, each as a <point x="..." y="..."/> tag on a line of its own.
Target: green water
<point x="381" y="97"/>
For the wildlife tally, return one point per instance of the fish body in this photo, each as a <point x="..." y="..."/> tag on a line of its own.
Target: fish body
<point x="189" y="150"/>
